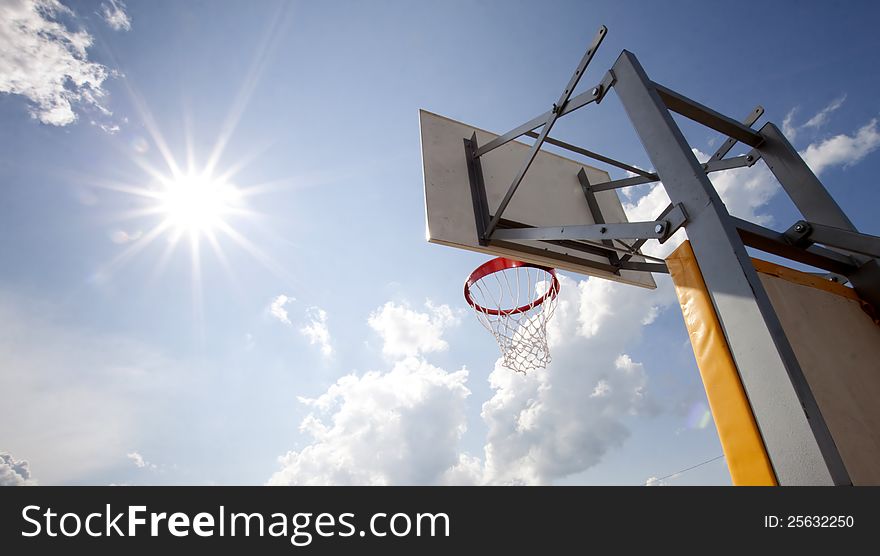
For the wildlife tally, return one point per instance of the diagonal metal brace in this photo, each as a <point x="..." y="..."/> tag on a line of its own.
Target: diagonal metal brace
<point x="595" y="94"/>
<point x="730" y="142"/>
<point x="558" y="107"/>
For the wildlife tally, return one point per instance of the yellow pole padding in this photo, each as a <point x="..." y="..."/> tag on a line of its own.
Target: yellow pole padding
<point x="740" y="438"/>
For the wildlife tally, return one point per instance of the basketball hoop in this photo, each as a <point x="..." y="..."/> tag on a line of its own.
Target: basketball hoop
<point x="514" y="300"/>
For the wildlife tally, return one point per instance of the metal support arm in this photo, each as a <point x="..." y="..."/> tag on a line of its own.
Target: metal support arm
<point x="594" y="156"/>
<point x="709" y="167"/>
<point x="658" y="229"/>
<point x="716" y="162"/>
<point x="590" y="232"/>
<point x="708" y="117"/>
<point x="804" y="233"/>
<point x="771" y="241"/>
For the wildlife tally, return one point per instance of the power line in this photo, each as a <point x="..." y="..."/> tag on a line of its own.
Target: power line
<point x="716" y="458"/>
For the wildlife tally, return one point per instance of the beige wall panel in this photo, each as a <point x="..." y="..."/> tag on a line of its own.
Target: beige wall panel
<point x="838" y="347"/>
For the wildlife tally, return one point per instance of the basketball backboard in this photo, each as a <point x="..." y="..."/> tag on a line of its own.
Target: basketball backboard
<point x="549" y="195"/>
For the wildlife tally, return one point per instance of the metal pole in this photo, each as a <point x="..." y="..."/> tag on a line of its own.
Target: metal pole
<point x="796" y="436"/>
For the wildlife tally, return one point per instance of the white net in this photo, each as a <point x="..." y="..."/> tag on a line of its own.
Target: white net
<point x="515" y="304"/>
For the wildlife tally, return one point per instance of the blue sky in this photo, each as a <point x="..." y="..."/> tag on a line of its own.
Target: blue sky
<point x="128" y="360"/>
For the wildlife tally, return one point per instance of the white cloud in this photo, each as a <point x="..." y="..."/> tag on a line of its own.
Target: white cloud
<point x="651" y="316"/>
<point x="821" y="117"/>
<point x="468" y="471"/>
<point x="277" y="310"/>
<point x="111" y="129"/>
<point x="121" y="236"/>
<point x="115" y="16"/>
<point x="792" y="130"/>
<point x="648" y="206"/>
<point x="564" y="419"/>
<point x="14" y="472"/>
<point x="403" y="426"/>
<point x="601" y="390"/>
<point x="406" y="332"/>
<point x="139" y="461"/>
<point x="789" y="129"/>
<point x="654" y="481"/>
<point x="843" y="149"/>
<point x="317" y="332"/>
<point x="46" y="62"/>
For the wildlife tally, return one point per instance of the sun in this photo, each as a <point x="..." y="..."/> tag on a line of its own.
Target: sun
<point x="200" y="204"/>
<point x="196" y="204"/>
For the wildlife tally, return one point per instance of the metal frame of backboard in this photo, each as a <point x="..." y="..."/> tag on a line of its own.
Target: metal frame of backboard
<point x="552" y="191"/>
<point x="799" y="444"/>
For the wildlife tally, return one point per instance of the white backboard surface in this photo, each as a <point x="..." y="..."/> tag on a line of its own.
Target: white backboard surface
<point x="549" y="195"/>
